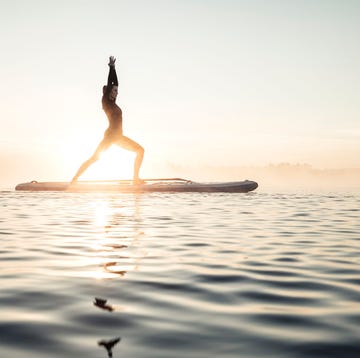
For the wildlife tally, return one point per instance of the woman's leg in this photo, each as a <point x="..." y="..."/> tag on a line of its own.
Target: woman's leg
<point x="129" y="144"/>
<point x="104" y="144"/>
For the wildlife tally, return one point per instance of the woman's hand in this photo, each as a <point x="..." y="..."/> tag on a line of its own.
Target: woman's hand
<point x="112" y="60"/>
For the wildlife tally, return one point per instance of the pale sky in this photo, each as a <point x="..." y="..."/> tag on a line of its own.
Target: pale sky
<point x="202" y="82"/>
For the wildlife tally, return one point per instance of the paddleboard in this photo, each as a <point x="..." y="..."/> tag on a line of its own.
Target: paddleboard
<point x="149" y="185"/>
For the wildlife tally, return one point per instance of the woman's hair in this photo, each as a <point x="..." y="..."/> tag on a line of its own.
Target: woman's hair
<point x="104" y="89"/>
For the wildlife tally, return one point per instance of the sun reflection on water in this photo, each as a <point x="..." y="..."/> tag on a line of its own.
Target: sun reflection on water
<point x="116" y="231"/>
<point x="101" y="213"/>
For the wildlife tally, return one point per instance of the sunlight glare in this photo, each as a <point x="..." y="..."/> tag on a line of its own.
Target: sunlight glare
<point x="114" y="163"/>
<point x="101" y="214"/>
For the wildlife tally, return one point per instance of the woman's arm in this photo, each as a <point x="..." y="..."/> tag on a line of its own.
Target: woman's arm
<point x="112" y="77"/>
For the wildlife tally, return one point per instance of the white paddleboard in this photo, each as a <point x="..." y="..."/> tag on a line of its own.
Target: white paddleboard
<point x="149" y="185"/>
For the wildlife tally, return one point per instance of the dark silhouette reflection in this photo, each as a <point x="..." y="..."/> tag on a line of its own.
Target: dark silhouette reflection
<point x="101" y="303"/>
<point x="112" y="225"/>
<point x="109" y="345"/>
<point x="111" y="264"/>
<point x="116" y="246"/>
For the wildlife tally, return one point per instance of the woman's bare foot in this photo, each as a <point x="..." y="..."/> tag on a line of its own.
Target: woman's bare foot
<point x="73" y="181"/>
<point x="138" y="181"/>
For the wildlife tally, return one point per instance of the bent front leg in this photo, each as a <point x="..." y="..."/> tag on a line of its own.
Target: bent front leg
<point x="131" y="145"/>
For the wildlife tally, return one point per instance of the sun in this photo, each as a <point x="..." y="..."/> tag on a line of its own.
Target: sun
<point x="114" y="163"/>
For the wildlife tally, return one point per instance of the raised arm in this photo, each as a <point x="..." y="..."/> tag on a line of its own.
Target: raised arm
<point x="112" y="77"/>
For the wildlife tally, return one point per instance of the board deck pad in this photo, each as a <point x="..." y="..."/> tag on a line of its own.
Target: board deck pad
<point x="149" y="185"/>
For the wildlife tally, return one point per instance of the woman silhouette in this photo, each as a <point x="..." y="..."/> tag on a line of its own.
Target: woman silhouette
<point x="114" y="133"/>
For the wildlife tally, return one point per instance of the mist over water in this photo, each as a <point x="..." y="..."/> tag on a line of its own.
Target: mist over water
<point x="271" y="274"/>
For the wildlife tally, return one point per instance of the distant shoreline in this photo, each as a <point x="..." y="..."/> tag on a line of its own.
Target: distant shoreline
<point x="282" y="174"/>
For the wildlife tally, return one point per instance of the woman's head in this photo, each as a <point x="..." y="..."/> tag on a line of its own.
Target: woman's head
<point x="113" y="93"/>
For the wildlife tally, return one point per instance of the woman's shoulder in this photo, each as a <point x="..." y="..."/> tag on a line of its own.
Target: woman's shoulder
<point x="106" y="103"/>
<point x="106" y="99"/>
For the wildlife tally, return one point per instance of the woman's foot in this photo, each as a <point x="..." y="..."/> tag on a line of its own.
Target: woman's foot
<point x="73" y="181"/>
<point x="138" y="181"/>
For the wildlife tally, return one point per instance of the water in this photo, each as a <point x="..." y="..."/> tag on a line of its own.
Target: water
<point x="183" y="275"/>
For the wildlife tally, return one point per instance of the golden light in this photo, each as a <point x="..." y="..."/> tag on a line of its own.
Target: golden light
<point x="114" y="163"/>
<point x="101" y="214"/>
<point x="111" y="256"/>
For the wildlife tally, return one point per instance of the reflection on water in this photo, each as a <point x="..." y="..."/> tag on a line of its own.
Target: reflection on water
<point x="102" y="303"/>
<point x="108" y="267"/>
<point x="110" y="218"/>
<point x="179" y="275"/>
<point x="109" y="345"/>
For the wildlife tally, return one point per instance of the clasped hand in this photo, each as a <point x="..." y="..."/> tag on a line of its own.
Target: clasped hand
<point x="112" y="60"/>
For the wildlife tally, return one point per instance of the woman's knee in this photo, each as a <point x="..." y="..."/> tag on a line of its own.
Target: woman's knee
<point x="140" y="150"/>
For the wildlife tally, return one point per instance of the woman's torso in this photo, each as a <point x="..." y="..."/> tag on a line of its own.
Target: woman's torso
<point x="114" y="115"/>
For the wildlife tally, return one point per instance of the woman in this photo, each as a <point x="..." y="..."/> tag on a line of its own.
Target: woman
<point x="114" y="134"/>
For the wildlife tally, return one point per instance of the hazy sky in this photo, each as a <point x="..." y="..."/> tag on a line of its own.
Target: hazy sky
<point x="202" y="82"/>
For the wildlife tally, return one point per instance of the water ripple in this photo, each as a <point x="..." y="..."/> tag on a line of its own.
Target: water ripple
<point x="162" y="275"/>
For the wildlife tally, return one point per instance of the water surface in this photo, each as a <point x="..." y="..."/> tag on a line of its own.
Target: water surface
<point x="179" y="275"/>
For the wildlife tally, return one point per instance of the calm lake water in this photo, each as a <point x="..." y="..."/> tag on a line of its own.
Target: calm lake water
<point x="183" y="275"/>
